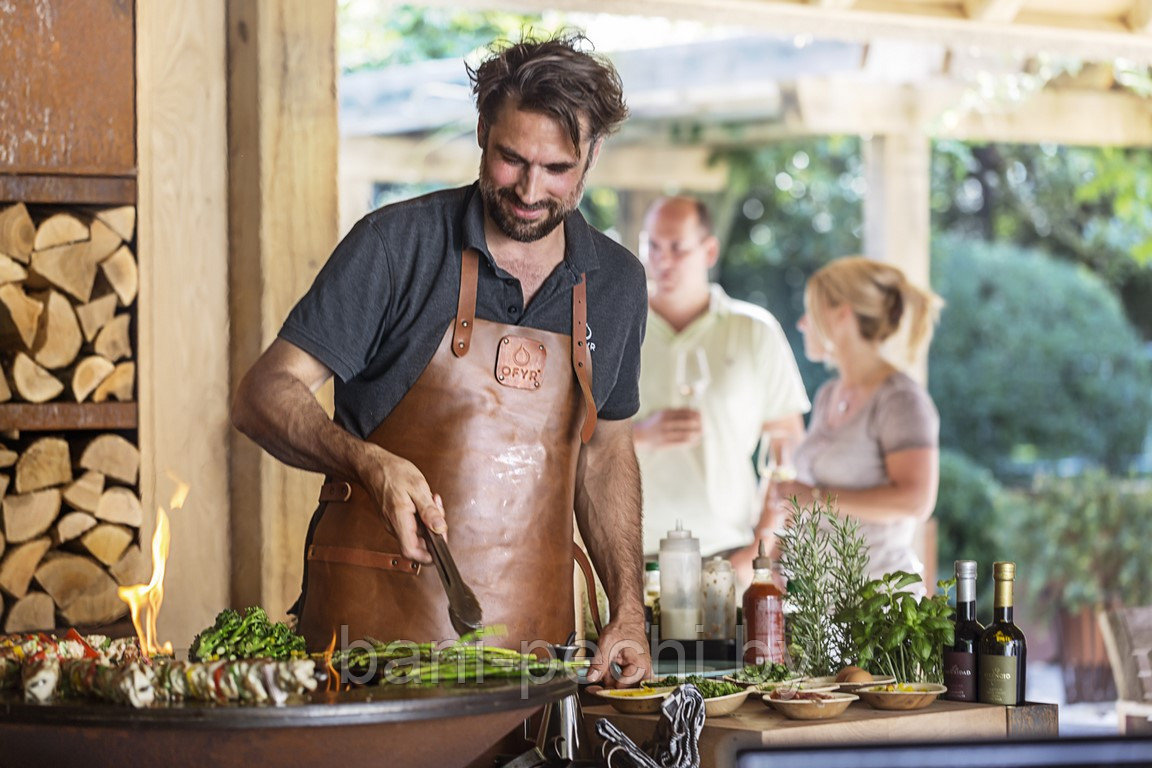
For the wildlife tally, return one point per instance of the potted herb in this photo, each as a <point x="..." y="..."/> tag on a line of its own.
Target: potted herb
<point x="836" y="617"/>
<point x="898" y="635"/>
<point x="824" y="558"/>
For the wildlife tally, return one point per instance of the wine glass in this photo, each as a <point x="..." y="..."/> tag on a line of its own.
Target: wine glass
<point x="765" y="459"/>
<point x="774" y="465"/>
<point x="692" y="376"/>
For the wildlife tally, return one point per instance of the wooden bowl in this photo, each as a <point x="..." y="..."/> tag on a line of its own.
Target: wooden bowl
<point x="726" y="705"/>
<point x="635" y="701"/>
<point x="802" y="684"/>
<point x="765" y="685"/>
<point x="851" y="687"/>
<point x="906" y="696"/>
<point x="812" y="709"/>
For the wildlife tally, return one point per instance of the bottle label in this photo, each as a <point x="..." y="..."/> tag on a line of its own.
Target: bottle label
<point x="998" y="679"/>
<point x="960" y="675"/>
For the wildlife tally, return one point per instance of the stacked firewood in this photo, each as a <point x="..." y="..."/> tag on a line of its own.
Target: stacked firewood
<point x="66" y="285"/>
<point x="70" y="513"/>
<point x="70" y="531"/>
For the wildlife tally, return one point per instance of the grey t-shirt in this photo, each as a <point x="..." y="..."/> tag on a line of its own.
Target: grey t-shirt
<point x="899" y="416"/>
<point x="381" y="304"/>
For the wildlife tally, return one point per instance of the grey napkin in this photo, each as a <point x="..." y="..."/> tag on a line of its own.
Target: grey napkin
<point x="674" y="743"/>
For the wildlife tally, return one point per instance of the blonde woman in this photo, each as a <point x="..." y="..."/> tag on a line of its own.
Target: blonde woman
<point x="872" y="441"/>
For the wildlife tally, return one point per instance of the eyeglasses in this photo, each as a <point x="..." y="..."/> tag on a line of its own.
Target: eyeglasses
<point x="675" y="250"/>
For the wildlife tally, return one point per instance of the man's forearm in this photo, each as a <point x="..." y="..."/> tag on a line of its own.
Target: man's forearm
<point x="608" y="512"/>
<point x="280" y="413"/>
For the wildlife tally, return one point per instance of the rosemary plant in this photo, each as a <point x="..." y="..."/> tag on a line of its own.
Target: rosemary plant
<point x="824" y="558"/>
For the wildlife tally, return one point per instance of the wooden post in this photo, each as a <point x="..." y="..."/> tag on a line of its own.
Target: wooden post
<point x="182" y="308"/>
<point x="897" y="217"/>
<point x="282" y="118"/>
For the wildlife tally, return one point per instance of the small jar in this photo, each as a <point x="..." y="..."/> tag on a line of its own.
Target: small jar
<point x="652" y="589"/>
<point x="718" y="592"/>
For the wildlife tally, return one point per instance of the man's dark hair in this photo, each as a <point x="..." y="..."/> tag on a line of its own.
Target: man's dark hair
<point x="558" y="77"/>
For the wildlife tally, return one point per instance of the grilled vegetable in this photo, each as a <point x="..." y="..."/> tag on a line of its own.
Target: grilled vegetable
<point x="251" y="636"/>
<point x="429" y="664"/>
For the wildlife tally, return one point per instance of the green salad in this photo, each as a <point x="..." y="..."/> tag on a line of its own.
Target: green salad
<point x="769" y="672"/>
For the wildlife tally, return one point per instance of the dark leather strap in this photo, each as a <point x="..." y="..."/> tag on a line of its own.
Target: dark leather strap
<point x="589" y="579"/>
<point x="338" y="491"/>
<point x="365" y="558"/>
<point x="581" y="360"/>
<point x="466" y="303"/>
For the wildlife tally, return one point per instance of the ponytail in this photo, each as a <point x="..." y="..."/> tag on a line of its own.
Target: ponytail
<point x="881" y="297"/>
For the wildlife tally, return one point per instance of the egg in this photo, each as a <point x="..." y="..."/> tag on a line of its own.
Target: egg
<point x="853" y="674"/>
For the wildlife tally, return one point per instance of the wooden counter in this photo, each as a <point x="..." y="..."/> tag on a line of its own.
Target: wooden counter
<point x="755" y="724"/>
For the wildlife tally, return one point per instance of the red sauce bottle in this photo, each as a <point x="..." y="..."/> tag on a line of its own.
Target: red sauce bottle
<point x="764" y="639"/>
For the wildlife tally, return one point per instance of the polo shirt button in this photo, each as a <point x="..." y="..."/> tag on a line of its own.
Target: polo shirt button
<point x="513" y="310"/>
<point x="510" y="280"/>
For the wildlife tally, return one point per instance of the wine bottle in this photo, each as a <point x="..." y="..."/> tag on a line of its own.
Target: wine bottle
<point x="1003" y="651"/>
<point x="960" y="666"/>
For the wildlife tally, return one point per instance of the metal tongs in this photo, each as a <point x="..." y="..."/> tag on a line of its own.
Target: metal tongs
<point x="463" y="608"/>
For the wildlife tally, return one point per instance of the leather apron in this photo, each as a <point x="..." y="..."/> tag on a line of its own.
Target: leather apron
<point x="494" y="423"/>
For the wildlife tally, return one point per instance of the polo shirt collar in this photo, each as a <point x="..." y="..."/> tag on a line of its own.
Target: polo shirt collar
<point x="719" y="305"/>
<point x="580" y="253"/>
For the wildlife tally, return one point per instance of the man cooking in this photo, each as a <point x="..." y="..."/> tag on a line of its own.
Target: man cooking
<point x="486" y="347"/>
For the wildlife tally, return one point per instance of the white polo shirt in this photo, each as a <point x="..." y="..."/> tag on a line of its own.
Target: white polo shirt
<point x="711" y="486"/>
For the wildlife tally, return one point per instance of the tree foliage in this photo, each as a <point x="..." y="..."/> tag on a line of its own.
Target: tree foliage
<point x="1034" y="358"/>
<point x="1088" y="205"/>
<point x="789" y="208"/>
<point x="375" y="35"/>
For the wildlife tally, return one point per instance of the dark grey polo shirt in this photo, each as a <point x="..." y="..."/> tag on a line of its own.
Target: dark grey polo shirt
<point x="381" y="304"/>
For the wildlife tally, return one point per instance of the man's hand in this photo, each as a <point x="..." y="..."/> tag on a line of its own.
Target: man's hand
<point x="780" y="495"/>
<point x="401" y="493"/>
<point x="624" y="643"/>
<point x="673" y="426"/>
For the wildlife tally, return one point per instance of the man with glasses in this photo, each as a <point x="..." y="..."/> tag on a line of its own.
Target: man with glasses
<point x="716" y="374"/>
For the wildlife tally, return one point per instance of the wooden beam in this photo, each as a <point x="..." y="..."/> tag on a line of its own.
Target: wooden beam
<point x="1089" y="118"/>
<point x="182" y="307"/>
<point x="1139" y="17"/>
<point x="847" y="105"/>
<point x="1088" y="37"/>
<point x="1001" y="11"/>
<point x="282" y="123"/>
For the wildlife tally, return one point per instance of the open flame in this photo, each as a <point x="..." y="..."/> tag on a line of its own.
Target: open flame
<point x="333" y="683"/>
<point x="144" y="600"/>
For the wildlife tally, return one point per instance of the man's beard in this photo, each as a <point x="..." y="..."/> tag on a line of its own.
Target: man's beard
<point x="498" y="202"/>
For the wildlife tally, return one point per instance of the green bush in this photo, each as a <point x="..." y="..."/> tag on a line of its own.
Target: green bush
<point x="966" y="517"/>
<point x="1034" y="359"/>
<point x="1084" y="540"/>
<point x="970" y="511"/>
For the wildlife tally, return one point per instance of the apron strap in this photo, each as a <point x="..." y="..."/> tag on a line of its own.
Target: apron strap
<point x="365" y="558"/>
<point x="589" y="581"/>
<point x="465" y="303"/>
<point x="581" y="360"/>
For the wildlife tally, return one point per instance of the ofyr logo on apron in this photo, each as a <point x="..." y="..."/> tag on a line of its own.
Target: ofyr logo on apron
<point x="520" y="362"/>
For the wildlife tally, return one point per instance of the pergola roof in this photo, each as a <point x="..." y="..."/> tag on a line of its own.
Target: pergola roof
<point x="889" y="79"/>
<point x="1093" y="30"/>
<point x="1025" y="71"/>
